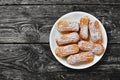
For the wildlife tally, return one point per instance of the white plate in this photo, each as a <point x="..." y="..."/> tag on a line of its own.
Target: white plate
<point x="54" y="34"/>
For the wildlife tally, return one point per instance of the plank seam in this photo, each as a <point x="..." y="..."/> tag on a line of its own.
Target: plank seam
<point x="37" y="43"/>
<point x="58" y="4"/>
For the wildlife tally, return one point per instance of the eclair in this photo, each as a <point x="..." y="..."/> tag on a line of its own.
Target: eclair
<point x="80" y="58"/>
<point x="95" y="32"/>
<point x="84" y="23"/>
<point x="67" y="26"/>
<point x="68" y="39"/>
<point x="97" y="49"/>
<point x="67" y="50"/>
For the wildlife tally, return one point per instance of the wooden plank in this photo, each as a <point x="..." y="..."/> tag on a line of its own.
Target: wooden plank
<point x="37" y="58"/>
<point x="13" y="74"/>
<point x="3" y="2"/>
<point x="10" y="74"/>
<point x="32" y="24"/>
<point x="55" y="10"/>
<point x="82" y="76"/>
<point x="35" y="61"/>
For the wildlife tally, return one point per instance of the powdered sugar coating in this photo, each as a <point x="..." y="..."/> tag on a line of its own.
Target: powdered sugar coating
<point x="85" y="45"/>
<point x="95" y="32"/>
<point x="84" y="23"/>
<point x="67" y="26"/>
<point x="67" y="50"/>
<point x="84" y="32"/>
<point x="68" y="38"/>
<point x="80" y="58"/>
<point x="97" y="49"/>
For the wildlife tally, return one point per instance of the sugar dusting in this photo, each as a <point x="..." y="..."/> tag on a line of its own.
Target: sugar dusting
<point x="68" y="38"/>
<point x="94" y="32"/>
<point x="72" y="35"/>
<point x="98" y="49"/>
<point x="70" y="26"/>
<point x="69" y="49"/>
<point x="85" y="46"/>
<point x="90" y="46"/>
<point x="73" y="25"/>
<point x="80" y="58"/>
<point x="84" y="32"/>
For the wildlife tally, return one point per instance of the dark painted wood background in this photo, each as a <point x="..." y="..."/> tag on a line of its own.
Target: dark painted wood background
<point x="24" y="46"/>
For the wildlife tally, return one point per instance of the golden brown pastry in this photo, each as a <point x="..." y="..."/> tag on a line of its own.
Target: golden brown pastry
<point x="97" y="49"/>
<point x="80" y="58"/>
<point x="84" y="23"/>
<point x="85" y="45"/>
<point x="64" y="51"/>
<point x="67" y="26"/>
<point x="95" y="32"/>
<point x="68" y="38"/>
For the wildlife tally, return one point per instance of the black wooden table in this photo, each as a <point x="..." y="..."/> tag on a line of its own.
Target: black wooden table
<point x="24" y="46"/>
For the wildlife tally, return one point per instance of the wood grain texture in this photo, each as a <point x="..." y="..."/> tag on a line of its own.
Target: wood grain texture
<point x="3" y="2"/>
<point x="35" y="61"/>
<point x="12" y="74"/>
<point x="32" y="24"/>
<point x="30" y="21"/>
<point x="38" y="58"/>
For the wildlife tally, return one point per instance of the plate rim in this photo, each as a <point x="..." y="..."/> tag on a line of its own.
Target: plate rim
<point x="83" y="64"/>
